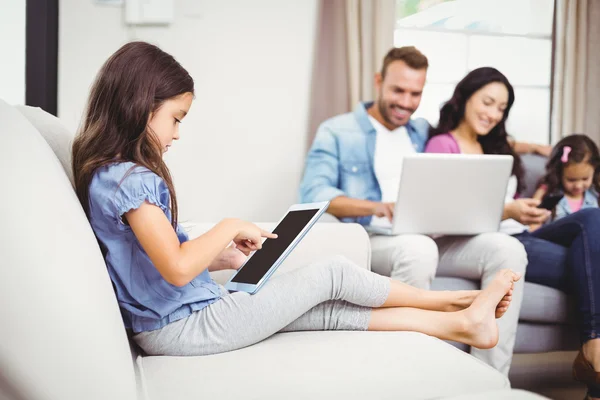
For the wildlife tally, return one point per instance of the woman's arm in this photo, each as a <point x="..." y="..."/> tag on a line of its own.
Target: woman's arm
<point x="540" y="193"/>
<point x="179" y="263"/>
<point x="507" y="213"/>
<point x="525" y="211"/>
<point x="527" y="148"/>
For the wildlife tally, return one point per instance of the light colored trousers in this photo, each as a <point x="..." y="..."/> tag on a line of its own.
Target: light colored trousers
<point x="333" y="294"/>
<point x="416" y="259"/>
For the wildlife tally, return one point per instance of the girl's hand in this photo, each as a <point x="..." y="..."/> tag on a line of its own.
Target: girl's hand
<point x="526" y="212"/>
<point x="249" y="237"/>
<point x="230" y="258"/>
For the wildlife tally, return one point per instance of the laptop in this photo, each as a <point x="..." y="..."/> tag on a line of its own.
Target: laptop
<point x="449" y="194"/>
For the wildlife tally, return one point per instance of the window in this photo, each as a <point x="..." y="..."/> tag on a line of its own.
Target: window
<point x="514" y="36"/>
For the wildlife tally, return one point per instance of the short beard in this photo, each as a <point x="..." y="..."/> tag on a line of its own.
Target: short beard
<point x="383" y="111"/>
<point x="384" y="114"/>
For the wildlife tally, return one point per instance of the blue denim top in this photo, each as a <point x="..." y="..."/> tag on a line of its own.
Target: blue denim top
<point x="147" y="301"/>
<point x="341" y="159"/>
<point x="590" y="200"/>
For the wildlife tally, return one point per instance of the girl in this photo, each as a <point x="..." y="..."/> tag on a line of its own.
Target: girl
<point x="161" y="278"/>
<point x="573" y="168"/>
<point x="472" y="122"/>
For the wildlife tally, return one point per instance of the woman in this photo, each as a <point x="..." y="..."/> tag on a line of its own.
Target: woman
<point x="564" y="254"/>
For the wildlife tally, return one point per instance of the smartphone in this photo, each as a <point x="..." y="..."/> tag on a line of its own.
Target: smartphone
<point x="550" y="201"/>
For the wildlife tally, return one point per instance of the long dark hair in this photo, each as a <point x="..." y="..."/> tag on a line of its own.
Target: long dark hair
<point x="583" y="149"/>
<point x="134" y="82"/>
<point x="453" y="112"/>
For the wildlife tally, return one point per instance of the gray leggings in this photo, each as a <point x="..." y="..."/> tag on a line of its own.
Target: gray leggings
<point x="330" y="295"/>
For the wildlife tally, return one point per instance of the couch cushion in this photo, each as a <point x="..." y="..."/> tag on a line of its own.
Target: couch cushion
<point x="540" y="338"/>
<point x="325" y="365"/>
<point x="535" y="168"/>
<point x="541" y="304"/>
<point x="62" y="336"/>
<point x="59" y="138"/>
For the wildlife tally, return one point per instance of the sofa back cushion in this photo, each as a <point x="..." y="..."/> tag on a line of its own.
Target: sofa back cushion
<point x="58" y="137"/>
<point x="61" y="333"/>
<point x="535" y="168"/>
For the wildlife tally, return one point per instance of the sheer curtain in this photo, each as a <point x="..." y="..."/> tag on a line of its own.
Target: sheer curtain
<point x="576" y="86"/>
<point x="352" y="39"/>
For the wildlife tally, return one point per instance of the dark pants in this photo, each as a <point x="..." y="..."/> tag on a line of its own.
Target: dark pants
<point x="566" y="255"/>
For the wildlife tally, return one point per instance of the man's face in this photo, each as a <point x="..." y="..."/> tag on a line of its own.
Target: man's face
<point x="399" y="93"/>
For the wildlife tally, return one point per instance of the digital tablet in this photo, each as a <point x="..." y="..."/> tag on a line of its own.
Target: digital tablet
<point x="264" y="262"/>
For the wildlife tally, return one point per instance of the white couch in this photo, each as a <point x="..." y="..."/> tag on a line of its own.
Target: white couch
<point x="62" y="337"/>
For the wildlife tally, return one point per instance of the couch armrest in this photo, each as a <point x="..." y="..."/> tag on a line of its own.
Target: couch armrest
<point x="322" y="241"/>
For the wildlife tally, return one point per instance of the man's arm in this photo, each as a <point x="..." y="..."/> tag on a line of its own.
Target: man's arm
<point x="343" y="206"/>
<point x="321" y="181"/>
<point x="321" y="171"/>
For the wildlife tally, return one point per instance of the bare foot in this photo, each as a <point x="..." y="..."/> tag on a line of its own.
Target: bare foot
<point x="461" y="299"/>
<point x="481" y="330"/>
<point x="502" y="307"/>
<point x="464" y="298"/>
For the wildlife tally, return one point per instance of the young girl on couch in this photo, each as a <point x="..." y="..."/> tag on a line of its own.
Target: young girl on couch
<point x="573" y="169"/>
<point x="161" y="277"/>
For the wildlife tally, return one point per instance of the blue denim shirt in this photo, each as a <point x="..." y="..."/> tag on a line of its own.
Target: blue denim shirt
<point x="590" y="200"/>
<point x="147" y="301"/>
<point x="341" y="159"/>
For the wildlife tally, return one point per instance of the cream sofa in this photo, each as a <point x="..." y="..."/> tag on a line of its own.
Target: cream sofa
<point x="62" y="336"/>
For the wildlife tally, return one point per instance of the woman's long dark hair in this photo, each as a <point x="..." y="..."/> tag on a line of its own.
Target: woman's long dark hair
<point x="583" y="149"/>
<point x="134" y="82"/>
<point x="453" y="112"/>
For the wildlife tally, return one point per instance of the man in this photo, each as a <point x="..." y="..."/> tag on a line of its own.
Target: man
<point x="355" y="162"/>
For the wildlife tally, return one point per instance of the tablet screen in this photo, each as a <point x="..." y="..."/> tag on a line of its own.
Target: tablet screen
<point x="262" y="260"/>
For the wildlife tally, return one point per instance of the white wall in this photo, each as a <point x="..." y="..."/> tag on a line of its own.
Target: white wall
<point x="517" y="41"/>
<point x="242" y="146"/>
<point x="12" y="48"/>
<point x="526" y="62"/>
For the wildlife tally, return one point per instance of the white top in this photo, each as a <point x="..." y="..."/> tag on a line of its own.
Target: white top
<point x="511" y="226"/>
<point x="390" y="149"/>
